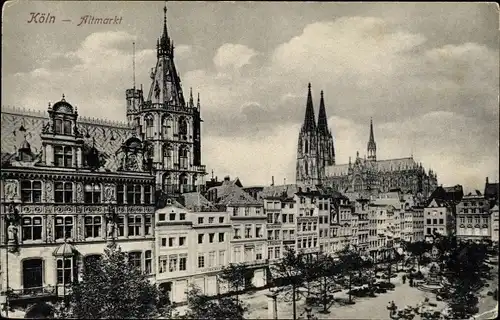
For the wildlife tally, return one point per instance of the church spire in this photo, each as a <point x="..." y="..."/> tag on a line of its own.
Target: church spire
<point x="309" y="121"/>
<point x="372" y="146"/>
<point x="322" y="119"/>
<point x="165" y="46"/>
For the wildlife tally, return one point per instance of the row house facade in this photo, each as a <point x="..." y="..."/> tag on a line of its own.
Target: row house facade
<point x="473" y="217"/>
<point x="61" y="206"/>
<point x="438" y="218"/>
<point x="192" y="247"/>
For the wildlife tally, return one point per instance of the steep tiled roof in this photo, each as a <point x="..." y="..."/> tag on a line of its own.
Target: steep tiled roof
<point x="388" y="165"/>
<point x="230" y="193"/>
<point x="196" y="201"/>
<point x="106" y="136"/>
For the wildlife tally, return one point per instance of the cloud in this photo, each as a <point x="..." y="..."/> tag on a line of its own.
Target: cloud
<point x="439" y="103"/>
<point x="233" y="56"/>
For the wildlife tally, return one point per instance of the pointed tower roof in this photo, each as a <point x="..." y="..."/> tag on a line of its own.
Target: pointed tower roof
<point x="322" y="119"/>
<point x="309" y="120"/>
<point x="166" y="85"/>
<point x="371" y="142"/>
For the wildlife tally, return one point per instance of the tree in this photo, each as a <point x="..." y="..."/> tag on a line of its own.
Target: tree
<point x="463" y="271"/>
<point x="350" y="262"/>
<point x="201" y="306"/>
<point x="234" y="276"/>
<point x="289" y="274"/>
<point x="112" y="288"/>
<point x="417" y="250"/>
<point x="324" y="282"/>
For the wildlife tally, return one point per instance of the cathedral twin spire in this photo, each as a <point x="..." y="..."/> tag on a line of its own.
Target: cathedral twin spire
<point x="309" y="119"/>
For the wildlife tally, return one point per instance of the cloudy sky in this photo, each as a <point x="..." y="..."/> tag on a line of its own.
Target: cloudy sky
<point x="428" y="75"/>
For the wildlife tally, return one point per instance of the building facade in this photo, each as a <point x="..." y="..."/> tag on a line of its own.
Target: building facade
<point x="64" y="197"/>
<point x="473" y="217"/>
<point x="438" y="218"/>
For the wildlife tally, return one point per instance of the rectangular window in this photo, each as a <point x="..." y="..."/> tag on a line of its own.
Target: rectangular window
<point x="93" y="225"/>
<point x="148" y="195"/>
<point x="200" y="238"/>
<point x="434" y="221"/>
<point x="221" y="219"/>
<point x="201" y="261"/>
<point x="63" y="192"/>
<point x="248" y="231"/>
<point x="64" y="269"/>
<point x="211" y="259"/>
<point x="31" y="228"/>
<point x="182" y="216"/>
<point x="63" y="227"/>
<point x="182" y="263"/>
<point x="161" y="217"/>
<point x="172" y="263"/>
<point x="133" y="194"/>
<point x="171" y="242"/>
<point x="221" y="237"/>
<point x="283" y="218"/>
<point x="270" y="253"/>
<point x="200" y="220"/>
<point x="211" y="237"/>
<point x="63" y="156"/>
<point x="269" y="218"/>
<point x="31" y="191"/>
<point x="120" y="194"/>
<point x="147" y="225"/>
<point x="162" y="261"/>
<point x="134" y="259"/>
<point x="134" y="225"/>
<point x="163" y="242"/>
<point x="92" y="193"/>
<point x="428" y="221"/>
<point x="236" y="232"/>
<point x="171" y="217"/>
<point x="277" y="253"/>
<point x="258" y="231"/>
<point x="441" y="221"/>
<point x="222" y="257"/>
<point x="121" y="226"/>
<point x="182" y="241"/>
<point x="148" y="261"/>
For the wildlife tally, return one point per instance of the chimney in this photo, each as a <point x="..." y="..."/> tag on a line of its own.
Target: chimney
<point x="272" y="181"/>
<point x="227" y="178"/>
<point x="486" y="180"/>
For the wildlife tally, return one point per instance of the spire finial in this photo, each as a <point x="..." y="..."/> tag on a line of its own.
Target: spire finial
<point x="309" y="86"/>
<point x="63" y="97"/>
<point x="191" y="101"/>
<point x="198" y="102"/>
<point x="133" y="64"/>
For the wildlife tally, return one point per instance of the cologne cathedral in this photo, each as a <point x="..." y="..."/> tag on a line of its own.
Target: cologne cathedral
<point x="316" y="163"/>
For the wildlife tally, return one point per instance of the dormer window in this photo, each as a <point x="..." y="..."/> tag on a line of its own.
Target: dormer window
<point x="63" y="156"/>
<point x="62" y="126"/>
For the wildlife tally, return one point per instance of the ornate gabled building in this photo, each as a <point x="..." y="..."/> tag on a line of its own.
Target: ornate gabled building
<point x="69" y="187"/>
<point x="316" y="163"/>
<point x="170" y="125"/>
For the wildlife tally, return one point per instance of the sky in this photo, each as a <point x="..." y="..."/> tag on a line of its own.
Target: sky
<point x="427" y="73"/>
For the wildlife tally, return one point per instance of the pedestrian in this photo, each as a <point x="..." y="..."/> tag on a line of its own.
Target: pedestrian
<point x="404" y="278"/>
<point x="411" y="281"/>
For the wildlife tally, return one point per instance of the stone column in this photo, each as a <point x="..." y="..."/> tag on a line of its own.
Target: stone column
<point x="272" y="305"/>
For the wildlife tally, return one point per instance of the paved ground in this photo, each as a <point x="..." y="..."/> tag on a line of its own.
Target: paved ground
<point x="365" y="308"/>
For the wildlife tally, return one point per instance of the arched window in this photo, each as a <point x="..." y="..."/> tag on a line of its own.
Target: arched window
<point x="306" y="168"/>
<point x="167" y="183"/>
<point x="183" y="128"/>
<point x="167" y="156"/>
<point x="183" y="183"/>
<point x="166" y="126"/>
<point x="149" y="126"/>
<point x="306" y="146"/>
<point x="183" y="157"/>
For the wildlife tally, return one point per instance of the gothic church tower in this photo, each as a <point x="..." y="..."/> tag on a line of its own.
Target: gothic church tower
<point x="372" y="146"/>
<point x="315" y="148"/>
<point x="170" y="126"/>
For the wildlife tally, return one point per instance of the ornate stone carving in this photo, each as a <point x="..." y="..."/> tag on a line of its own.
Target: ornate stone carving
<point x="50" y="220"/>
<point x="49" y="191"/>
<point x="109" y="193"/>
<point x="11" y="190"/>
<point x="79" y="192"/>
